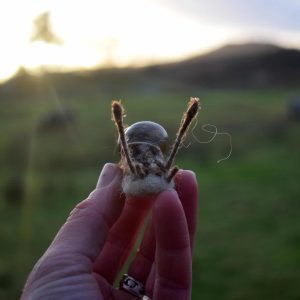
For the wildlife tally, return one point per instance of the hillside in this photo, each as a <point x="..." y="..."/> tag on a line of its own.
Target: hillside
<point x="232" y="66"/>
<point x="246" y="65"/>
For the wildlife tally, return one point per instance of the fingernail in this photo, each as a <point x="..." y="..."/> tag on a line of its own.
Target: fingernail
<point x="107" y="175"/>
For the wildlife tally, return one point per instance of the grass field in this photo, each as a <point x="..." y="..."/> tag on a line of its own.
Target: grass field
<point x="248" y="237"/>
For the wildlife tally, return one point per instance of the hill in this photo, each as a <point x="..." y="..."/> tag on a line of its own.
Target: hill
<point x="232" y="66"/>
<point x="245" y="65"/>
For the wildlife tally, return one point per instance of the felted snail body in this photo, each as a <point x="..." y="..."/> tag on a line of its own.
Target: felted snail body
<point x="148" y="144"/>
<point x="144" y="145"/>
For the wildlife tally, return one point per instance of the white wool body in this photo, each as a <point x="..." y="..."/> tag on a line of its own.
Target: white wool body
<point x="149" y="185"/>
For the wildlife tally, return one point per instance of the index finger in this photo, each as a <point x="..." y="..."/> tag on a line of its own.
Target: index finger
<point x="173" y="252"/>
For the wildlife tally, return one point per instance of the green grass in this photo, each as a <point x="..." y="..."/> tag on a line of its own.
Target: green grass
<point x="248" y="234"/>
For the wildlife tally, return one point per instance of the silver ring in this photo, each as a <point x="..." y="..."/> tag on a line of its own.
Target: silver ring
<point x="132" y="286"/>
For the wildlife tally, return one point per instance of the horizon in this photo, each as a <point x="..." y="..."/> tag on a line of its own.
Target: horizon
<point x="189" y="56"/>
<point x="58" y="70"/>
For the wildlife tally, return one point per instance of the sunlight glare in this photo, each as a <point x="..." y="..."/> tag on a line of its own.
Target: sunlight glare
<point x="100" y="33"/>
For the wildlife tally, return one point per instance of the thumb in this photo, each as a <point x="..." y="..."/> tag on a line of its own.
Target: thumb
<point x="85" y="231"/>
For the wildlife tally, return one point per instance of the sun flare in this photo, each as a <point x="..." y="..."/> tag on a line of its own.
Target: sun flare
<point x="90" y="33"/>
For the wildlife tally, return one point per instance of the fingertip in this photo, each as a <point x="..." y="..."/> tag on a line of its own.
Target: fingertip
<point x="186" y="177"/>
<point x="186" y="184"/>
<point x="110" y="174"/>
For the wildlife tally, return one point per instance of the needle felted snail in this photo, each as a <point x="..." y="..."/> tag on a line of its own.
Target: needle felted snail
<point x="147" y="167"/>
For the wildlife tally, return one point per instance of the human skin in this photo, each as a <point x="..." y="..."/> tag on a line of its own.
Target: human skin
<point x="86" y="256"/>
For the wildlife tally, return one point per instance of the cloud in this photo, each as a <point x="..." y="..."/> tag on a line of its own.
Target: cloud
<point x="254" y="14"/>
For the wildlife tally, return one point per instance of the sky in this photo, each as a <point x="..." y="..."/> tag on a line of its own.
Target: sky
<point x="275" y="20"/>
<point x="89" y="33"/>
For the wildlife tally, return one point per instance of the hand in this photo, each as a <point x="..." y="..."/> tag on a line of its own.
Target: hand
<point x="89" y="250"/>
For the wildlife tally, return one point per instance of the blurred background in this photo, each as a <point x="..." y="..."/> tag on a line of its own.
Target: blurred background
<point x="61" y="64"/>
